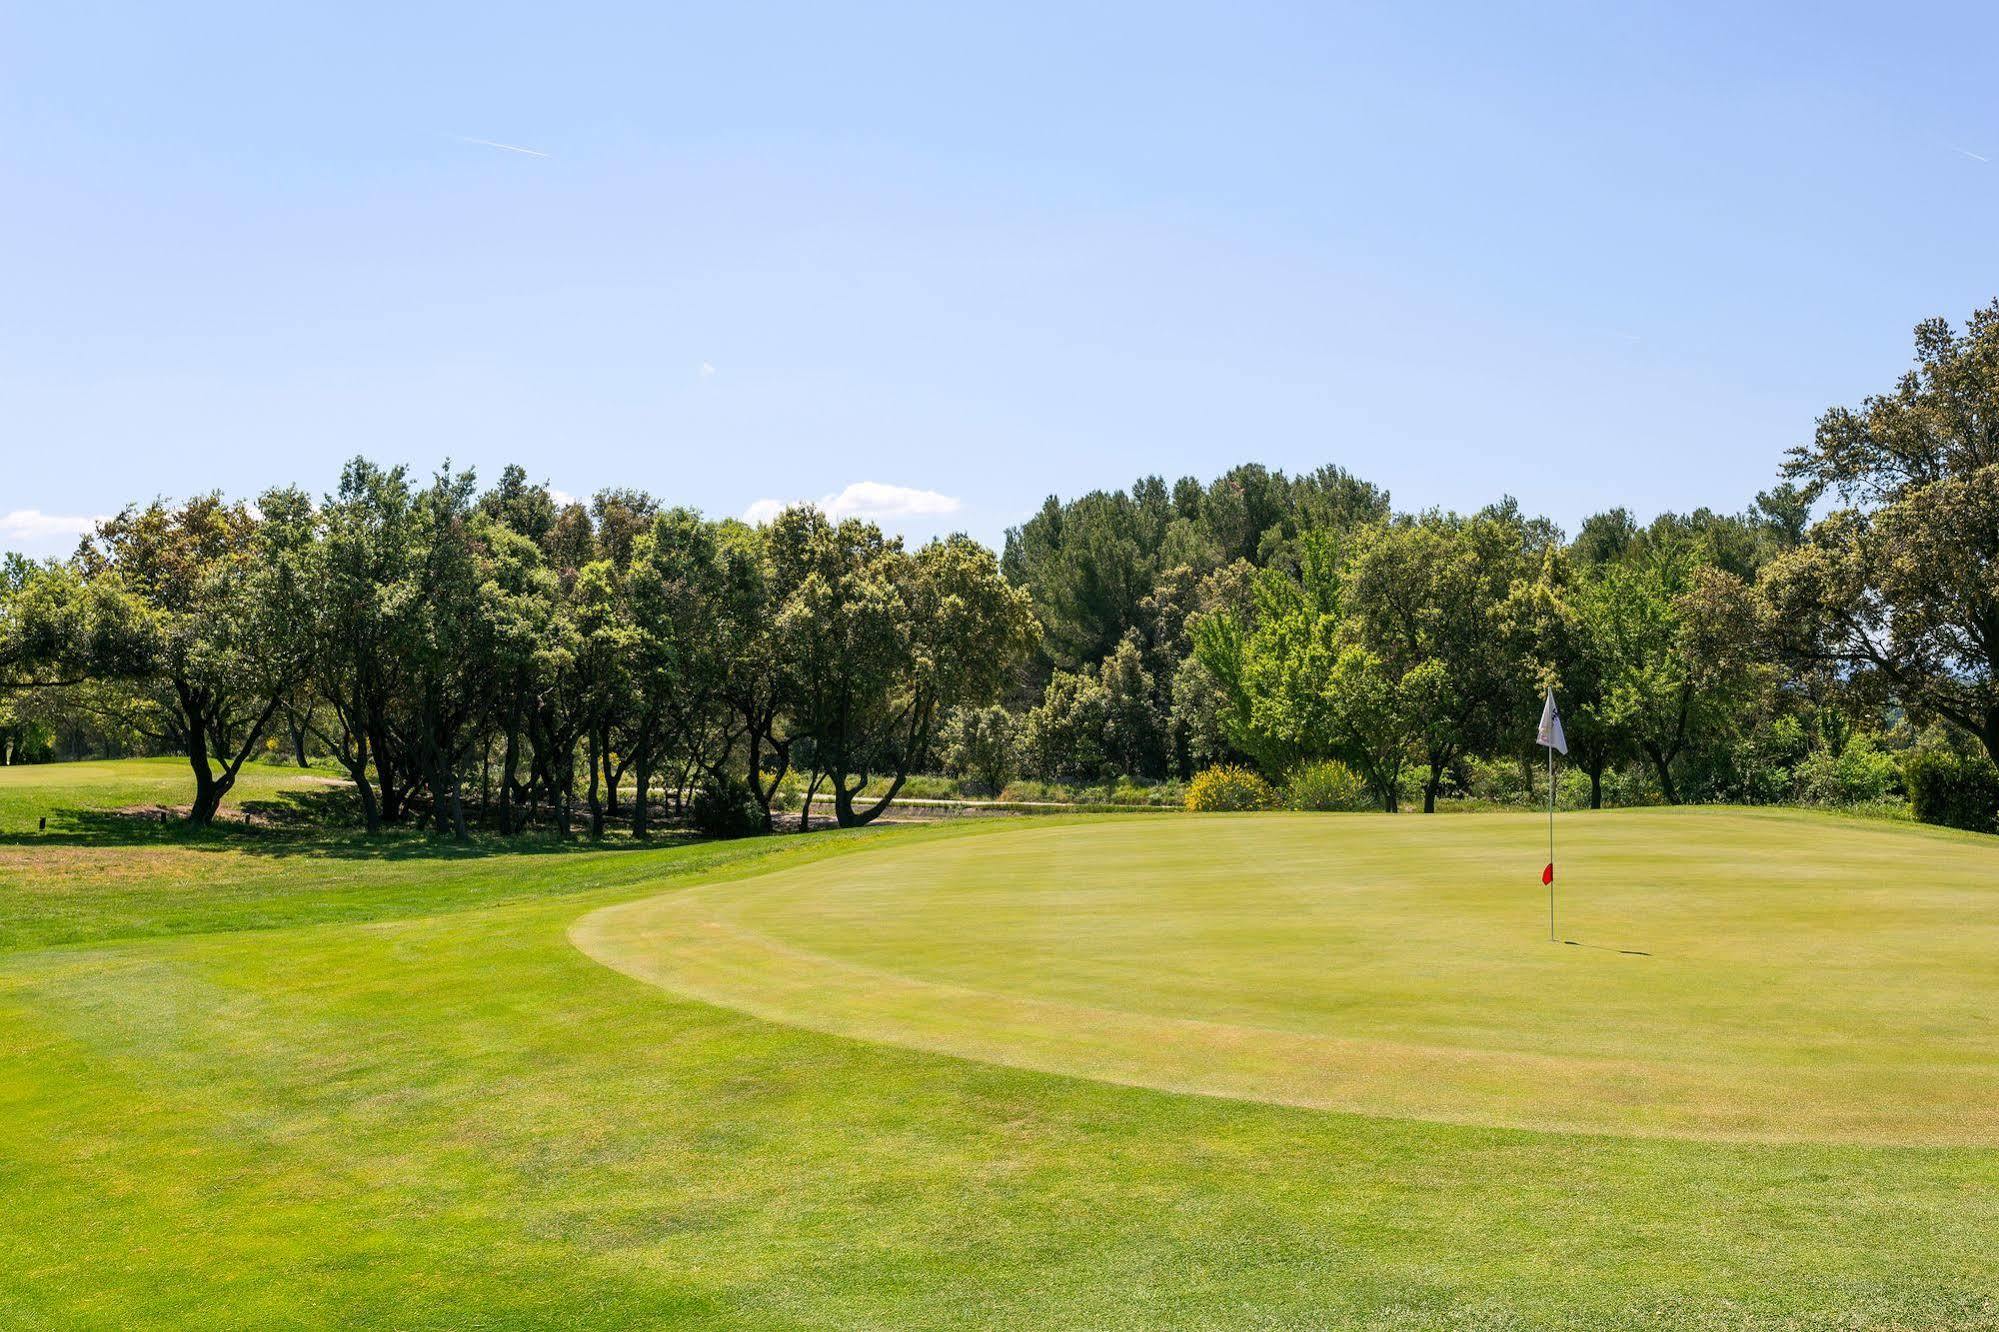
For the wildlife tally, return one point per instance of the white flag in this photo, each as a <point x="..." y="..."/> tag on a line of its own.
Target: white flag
<point x="1551" y="727"/>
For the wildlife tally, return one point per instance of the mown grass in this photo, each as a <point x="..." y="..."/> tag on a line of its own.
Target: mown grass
<point x="1740" y="973"/>
<point x="75" y="798"/>
<point x="433" y="1111"/>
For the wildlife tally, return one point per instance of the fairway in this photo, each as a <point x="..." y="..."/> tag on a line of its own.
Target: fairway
<point x="269" y="1076"/>
<point x="1807" y="979"/>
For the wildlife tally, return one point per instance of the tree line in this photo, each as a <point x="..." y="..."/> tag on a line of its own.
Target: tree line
<point x="570" y="660"/>
<point x="626" y="660"/>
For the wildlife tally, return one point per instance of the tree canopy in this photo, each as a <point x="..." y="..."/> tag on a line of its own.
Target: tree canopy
<point x="496" y="655"/>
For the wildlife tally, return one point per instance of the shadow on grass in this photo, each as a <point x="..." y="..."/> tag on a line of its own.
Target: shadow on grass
<point x="320" y="822"/>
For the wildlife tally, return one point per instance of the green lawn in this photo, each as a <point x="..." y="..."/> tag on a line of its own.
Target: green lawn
<point x="1758" y="975"/>
<point x="72" y="796"/>
<point x="327" y="1082"/>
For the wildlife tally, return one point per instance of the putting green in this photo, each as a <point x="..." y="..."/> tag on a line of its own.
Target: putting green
<point x="1809" y="978"/>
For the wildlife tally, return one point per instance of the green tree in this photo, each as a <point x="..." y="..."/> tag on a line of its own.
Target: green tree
<point x="1423" y="604"/>
<point x="59" y="628"/>
<point x="982" y="743"/>
<point x="1564" y="620"/>
<point x="1064" y="733"/>
<point x="1197" y="724"/>
<point x="881" y="640"/>
<point x="709" y="672"/>
<point x="448" y="672"/>
<point x="607" y="655"/>
<point x="1134" y="739"/>
<point x="1089" y="565"/>
<point x="528" y="644"/>
<point x="209" y="665"/>
<point x="360" y="594"/>
<point x="1289" y="690"/>
<point x="1901" y="582"/>
<point x="1674" y="644"/>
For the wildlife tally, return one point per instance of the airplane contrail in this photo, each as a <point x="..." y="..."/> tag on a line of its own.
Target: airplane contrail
<point x="508" y="147"/>
<point x="1976" y="157"/>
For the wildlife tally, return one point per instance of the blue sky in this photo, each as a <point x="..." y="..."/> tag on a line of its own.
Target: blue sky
<point x="969" y="258"/>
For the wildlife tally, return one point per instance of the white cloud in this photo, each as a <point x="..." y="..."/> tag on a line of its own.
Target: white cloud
<point x="563" y="499"/>
<point x="34" y="527"/>
<point x="763" y="510"/>
<point x="874" y="500"/>
<point x="707" y="371"/>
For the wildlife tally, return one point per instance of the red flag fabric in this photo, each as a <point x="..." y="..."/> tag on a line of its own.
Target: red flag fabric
<point x="1548" y="874"/>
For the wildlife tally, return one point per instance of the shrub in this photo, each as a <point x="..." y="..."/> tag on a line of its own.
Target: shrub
<point x="1955" y="791"/>
<point x="1064" y="735"/>
<point x="982" y="745"/>
<point x="1621" y="786"/>
<point x="1763" y="763"/>
<point x="1120" y="792"/>
<point x="1327" y="785"/>
<point x="1505" y="781"/>
<point x="1859" y="775"/>
<point x="1198" y="724"/>
<point x="1134" y="728"/>
<point x="1128" y="792"/>
<point x="1229" y="788"/>
<point x="725" y="809"/>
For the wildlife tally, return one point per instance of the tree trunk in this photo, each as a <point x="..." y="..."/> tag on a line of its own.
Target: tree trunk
<point x="844" y="812"/>
<point x="1596" y="786"/>
<point x="509" y="764"/>
<point x="611" y="771"/>
<point x="207" y="733"/>
<point x="596" y="808"/>
<point x="296" y="724"/>
<point x="390" y="781"/>
<point x="805" y="810"/>
<point x="1663" y="764"/>
<point x="352" y="751"/>
<point x="357" y="768"/>
<point x="641" y="780"/>
<point x="394" y="796"/>
<point x="371" y="809"/>
<point x="446" y="795"/>
<point x="208" y="792"/>
<point x="1431" y="786"/>
<point x="916" y="739"/>
<point x="458" y="828"/>
<point x="757" y="732"/>
<point x="563" y="791"/>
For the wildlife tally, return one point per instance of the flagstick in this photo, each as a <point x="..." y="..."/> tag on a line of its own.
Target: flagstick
<point x="1551" y="844"/>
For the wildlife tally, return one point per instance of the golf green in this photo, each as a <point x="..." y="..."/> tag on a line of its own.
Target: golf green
<point x="1741" y="975"/>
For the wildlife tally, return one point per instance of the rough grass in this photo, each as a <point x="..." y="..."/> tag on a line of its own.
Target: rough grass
<point x="419" y="1111"/>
